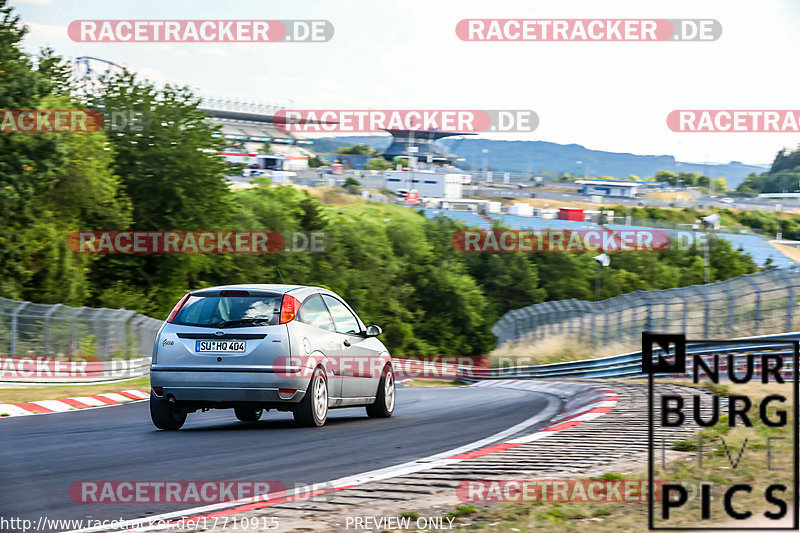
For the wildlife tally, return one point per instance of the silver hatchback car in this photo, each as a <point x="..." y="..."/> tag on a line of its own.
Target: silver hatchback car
<point x="260" y="347"/>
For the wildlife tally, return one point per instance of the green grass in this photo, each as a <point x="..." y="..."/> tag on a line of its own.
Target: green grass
<point x="56" y="392"/>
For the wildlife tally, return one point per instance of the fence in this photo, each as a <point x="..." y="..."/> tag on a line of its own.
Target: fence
<point x="681" y="226"/>
<point x="35" y="330"/>
<point x="752" y="304"/>
<point x="629" y="365"/>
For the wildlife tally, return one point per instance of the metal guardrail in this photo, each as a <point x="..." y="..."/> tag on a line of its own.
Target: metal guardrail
<point x="752" y="304"/>
<point x="30" y="330"/>
<point x="629" y="365"/>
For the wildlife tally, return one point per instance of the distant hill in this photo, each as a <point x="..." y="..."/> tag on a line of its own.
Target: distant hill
<point x="540" y="156"/>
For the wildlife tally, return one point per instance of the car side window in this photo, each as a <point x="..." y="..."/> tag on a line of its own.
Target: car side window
<point x="314" y="313"/>
<point x="343" y="318"/>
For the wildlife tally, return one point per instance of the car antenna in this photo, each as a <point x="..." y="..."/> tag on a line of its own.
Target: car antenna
<point x="279" y="273"/>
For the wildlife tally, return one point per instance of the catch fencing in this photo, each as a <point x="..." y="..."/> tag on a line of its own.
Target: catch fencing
<point x="629" y="365"/>
<point x="50" y="334"/>
<point x="752" y="304"/>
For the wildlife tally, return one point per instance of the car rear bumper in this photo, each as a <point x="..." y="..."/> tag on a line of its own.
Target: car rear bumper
<point x="221" y="386"/>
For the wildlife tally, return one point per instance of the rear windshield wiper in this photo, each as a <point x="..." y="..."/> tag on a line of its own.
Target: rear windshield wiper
<point x="245" y="321"/>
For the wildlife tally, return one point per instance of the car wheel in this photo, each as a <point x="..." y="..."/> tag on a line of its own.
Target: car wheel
<point x="384" y="397"/>
<point x="165" y="414"/>
<point x="247" y="414"/>
<point x="313" y="408"/>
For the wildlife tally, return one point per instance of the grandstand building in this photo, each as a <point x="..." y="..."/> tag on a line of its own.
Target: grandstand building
<point x="421" y="145"/>
<point x="248" y="133"/>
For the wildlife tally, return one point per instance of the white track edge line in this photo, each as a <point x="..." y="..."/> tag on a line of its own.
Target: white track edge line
<point x="409" y="467"/>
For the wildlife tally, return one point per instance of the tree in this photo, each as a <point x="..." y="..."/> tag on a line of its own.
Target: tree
<point x="378" y="163"/>
<point x="81" y="194"/>
<point x="27" y="160"/>
<point x="565" y="275"/>
<point x="357" y="149"/>
<point x="786" y="160"/>
<point x="175" y="179"/>
<point x="667" y="176"/>
<point x="690" y="179"/>
<point x="352" y="185"/>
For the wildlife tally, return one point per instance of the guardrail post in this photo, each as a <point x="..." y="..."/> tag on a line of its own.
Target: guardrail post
<point x="635" y="316"/>
<point x="570" y="315"/>
<point x="14" y="327"/>
<point x="685" y="314"/>
<point x="47" y="316"/>
<point x="706" y="314"/>
<point x="757" y="310"/>
<point x="789" y="298"/>
<point x="731" y="310"/>
<point x="73" y="328"/>
<point x="649" y="325"/>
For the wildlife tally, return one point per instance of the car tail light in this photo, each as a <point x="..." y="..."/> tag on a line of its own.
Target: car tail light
<point x="177" y="308"/>
<point x="287" y="391"/>
<point x="159" y="391"/>
<point x="289" y="307"/>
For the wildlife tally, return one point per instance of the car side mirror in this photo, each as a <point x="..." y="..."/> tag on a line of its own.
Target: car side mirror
<point x="373" y="331"/>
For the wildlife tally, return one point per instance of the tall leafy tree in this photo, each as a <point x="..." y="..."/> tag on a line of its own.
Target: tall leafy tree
<point x="169" y="167"/>
<point x="27" y="160"/>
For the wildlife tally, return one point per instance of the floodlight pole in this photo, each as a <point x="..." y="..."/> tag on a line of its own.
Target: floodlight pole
<point x="707" y="269"/>
<point x="410" y="174"/>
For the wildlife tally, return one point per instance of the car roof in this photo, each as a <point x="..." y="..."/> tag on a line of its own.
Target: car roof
<point x="271" y="287"/>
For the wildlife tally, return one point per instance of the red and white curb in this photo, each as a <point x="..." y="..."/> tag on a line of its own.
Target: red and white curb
<point x="571" y="417"/>
<point x="602" y="400"/>
<point x="72" y="404"/>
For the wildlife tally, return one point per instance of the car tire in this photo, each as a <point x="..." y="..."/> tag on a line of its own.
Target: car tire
<point x="384" y="397"/>
<point x="247" y="414"/>
<point x="165" y="414"/>
<point x="312" y="411"/>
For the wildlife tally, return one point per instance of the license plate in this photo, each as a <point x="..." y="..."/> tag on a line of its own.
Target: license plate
<point x="220" y="346"/>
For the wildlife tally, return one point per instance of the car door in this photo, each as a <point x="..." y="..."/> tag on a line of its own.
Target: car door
<point x="359" y="354"/>
<point x="316" y="333"/>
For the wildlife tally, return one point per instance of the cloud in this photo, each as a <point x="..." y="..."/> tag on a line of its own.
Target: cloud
<point x="219" y="52"/>
<point x="46" y="31"/>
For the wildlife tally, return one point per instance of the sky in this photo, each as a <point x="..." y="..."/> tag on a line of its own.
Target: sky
<point x="404" y="54"/>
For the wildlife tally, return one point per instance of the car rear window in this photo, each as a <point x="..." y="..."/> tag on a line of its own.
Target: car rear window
<point x="229" y="311"/>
